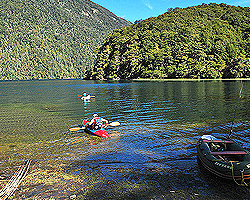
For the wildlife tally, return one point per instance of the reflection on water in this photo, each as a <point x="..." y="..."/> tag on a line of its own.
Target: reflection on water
<point x="151" y="155"/>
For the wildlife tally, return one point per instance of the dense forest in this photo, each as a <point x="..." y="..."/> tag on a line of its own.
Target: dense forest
<point x="206" y="41"/>
<point x="48" y="39"/>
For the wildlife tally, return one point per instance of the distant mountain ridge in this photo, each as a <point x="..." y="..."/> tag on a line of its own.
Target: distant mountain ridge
<point x="48" y="39"/>
<point x="205" y="41"/>
<point x="109" y="11"/>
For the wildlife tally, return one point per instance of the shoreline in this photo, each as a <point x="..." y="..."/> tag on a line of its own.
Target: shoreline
<point x="190" y="79"/>
<point x="135" y="80"/>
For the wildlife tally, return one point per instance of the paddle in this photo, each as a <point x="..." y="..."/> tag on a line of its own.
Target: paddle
<point x="114" y="124"/>
<point x="76" y="129"/>
<point x="82" y="128"/>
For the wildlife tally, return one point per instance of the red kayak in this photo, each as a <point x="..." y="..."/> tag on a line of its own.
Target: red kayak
<point x="101" y="132"/>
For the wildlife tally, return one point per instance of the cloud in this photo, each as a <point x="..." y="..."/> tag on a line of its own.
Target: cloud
<point x="147" y="3"/>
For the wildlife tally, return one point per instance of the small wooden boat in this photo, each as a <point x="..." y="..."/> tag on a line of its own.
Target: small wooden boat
<point x="224" y="158"/>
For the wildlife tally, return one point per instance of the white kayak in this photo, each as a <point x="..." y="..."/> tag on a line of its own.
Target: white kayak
<point x="86" y="98"/>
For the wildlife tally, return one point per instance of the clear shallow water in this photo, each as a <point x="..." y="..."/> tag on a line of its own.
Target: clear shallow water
<point x="151" y="155"/>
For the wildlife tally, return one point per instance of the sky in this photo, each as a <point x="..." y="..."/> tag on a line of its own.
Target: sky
<point x="133" y="10"/>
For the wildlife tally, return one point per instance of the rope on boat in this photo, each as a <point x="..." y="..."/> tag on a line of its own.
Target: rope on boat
<point x="15" y="180"/>
<point x="243" y="183"/>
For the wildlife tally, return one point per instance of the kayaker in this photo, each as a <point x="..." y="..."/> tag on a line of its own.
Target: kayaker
<point x="97" y="122"/>
<point x="85" y="94"/>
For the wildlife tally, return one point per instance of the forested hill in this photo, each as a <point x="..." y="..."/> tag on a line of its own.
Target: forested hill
<point x="47" y="39"/>
<point x="206" y="41"/>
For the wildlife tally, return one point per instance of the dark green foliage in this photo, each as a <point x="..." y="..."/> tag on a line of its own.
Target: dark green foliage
<point x="48" y="39"/>
<point x="206" y="41"/>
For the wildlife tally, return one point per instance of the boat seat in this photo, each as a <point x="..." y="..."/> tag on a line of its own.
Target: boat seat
<point x="219" y="141"/>
<point x="228" y="153"/>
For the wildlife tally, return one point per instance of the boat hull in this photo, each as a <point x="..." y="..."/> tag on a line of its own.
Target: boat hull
<point x="86" y="98"/>
<point x="232" y="163"/>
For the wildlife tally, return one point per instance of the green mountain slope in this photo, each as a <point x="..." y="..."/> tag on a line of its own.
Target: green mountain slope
<point x="47" y="39"/>
<point x="206" y="41"/>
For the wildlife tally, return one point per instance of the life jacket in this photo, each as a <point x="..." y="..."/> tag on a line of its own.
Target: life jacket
<point x="97" y="123"/>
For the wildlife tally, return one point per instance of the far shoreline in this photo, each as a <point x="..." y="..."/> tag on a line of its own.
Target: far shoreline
<point x="134" y="80"/>
<point x="190" y="79"/>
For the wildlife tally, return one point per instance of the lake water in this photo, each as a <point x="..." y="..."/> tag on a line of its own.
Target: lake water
<point x="151" y="155"/>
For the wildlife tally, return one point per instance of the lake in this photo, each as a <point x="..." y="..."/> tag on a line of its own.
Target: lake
<point x="151" y="155"/>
